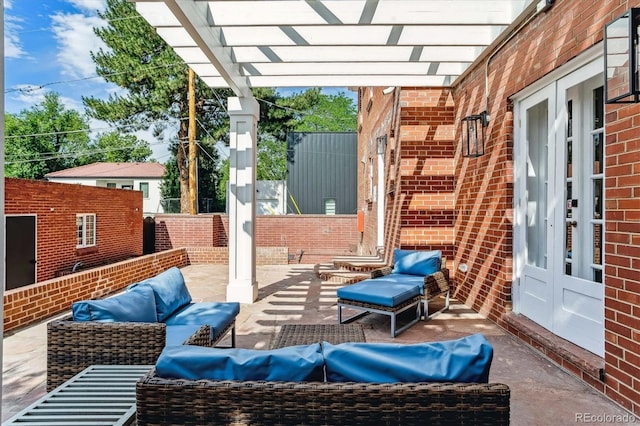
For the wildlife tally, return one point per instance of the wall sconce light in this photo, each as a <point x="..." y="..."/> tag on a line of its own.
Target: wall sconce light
<point x="473" y="134"/>
<point x="381" y="144"/>
<point x="621" y="58"/>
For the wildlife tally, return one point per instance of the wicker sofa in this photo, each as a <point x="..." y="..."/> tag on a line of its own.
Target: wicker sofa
<point x="415" y="277"/>
<point x="340" y="399"/>
<point x="134" y="327"/>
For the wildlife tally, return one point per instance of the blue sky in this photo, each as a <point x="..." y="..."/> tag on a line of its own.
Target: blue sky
<point x="47" y="48"/>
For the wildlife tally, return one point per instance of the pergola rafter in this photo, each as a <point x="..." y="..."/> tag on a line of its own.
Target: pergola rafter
<point x="294" y="43"/>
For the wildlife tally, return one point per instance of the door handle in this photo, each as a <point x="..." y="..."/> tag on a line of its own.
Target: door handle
<point x="574" y="223"/>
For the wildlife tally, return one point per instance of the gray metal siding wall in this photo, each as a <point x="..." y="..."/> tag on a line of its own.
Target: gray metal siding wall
<point x="321" y="166"/>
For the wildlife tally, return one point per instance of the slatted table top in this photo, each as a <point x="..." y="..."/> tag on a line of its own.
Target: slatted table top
<point x="98" y="395"/>
<point x="304" y="334"/>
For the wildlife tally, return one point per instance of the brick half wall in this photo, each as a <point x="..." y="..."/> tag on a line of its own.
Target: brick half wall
<point x="36" y="302"/>
<point x="321" y="237"/>
<point x="31" y="304"/>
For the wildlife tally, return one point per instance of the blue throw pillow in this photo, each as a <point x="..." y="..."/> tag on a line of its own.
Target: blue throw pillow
<point x="465" y="360"/>
<point x="170" y="292"/>
<point x="137" y="305"/>
<point x="289" y="364"/>
<point x="414" y="262"/>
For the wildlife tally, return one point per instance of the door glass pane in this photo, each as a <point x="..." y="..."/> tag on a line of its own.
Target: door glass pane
<point x="597" y="244"/>
<point x="598" y="108"/>
<point x="597" y="180"/>
<point x="597" y="153"/>
<point x="569" y="139"/>
<point x="568" y="244"/>
<point x="536" y="185"/>
<point x="597" y="198"/>
<point x="568" y="188"/>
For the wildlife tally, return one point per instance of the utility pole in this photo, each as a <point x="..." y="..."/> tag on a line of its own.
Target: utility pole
<point x="193" y="182"/>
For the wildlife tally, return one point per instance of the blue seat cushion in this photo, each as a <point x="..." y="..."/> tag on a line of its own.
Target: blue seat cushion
<point x="137" y="305"/>
<point x="176" y="335"/>
<point x="466" y="360"/>
<point x="415" y="262"/>
<point x="380" y="292"/>
<point x="289" y="364"/>
<point x="169" y="290"/>
<point x="217" y="315"/>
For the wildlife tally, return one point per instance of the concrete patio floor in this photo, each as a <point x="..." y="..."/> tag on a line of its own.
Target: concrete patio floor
<point x="541" y="392"/>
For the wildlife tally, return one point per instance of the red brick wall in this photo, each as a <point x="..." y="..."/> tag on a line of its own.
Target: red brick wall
<point x="118" y="222"/>
<point x="419" y="167"/>
<point x="622" y="255"/>
<point x="378" y="118"/>
<point x="426" y="183"/>
<point x="220" y="255"/>
<point x="177" y="230"/>
<point x="320" y="236"/>
<point x="484" y="187"/>
<point x="40" y="301"/>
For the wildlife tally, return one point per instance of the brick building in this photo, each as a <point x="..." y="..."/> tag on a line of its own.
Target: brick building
<point x="543" y="230"/>
<point x="52" y="227"/>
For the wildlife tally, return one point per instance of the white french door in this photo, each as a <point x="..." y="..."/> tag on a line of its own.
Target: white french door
<point x="535" y="206"/>
<point x="559" y="209"/>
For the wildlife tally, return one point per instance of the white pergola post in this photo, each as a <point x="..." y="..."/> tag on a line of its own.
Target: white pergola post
<point x="243" y="113"/>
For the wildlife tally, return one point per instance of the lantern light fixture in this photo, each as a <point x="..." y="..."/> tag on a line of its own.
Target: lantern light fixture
<point x="621" y="50"/>
<point x="473" y="134"/>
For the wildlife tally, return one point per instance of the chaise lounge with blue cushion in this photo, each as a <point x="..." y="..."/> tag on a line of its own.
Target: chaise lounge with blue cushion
<point x="133" y="327"/>
<point x="415" y="277"/>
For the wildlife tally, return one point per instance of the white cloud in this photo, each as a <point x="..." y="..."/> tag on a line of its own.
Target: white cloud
<point x="88" y="5"/>
<point x="76" y="39"/>
<point x="7" y="4"/>
<point x="28" y="94"/>
<point x="12" y="43"/>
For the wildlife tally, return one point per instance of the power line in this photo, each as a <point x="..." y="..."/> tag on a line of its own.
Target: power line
<point x="47" y="156"/>
<point x="35" y="87"/>
<point x="126" y="18"/>
<point x="90" y="130"/>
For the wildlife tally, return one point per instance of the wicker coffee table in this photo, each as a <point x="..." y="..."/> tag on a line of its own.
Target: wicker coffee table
<point x="304" y="334"/>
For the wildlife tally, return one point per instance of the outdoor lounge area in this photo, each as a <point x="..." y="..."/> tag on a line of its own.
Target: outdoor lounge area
<point x="503" y="134"/>
<point x="540" y="392"/>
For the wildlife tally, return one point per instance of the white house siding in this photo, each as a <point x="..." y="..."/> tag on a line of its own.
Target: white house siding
<point x="150" y="205"/>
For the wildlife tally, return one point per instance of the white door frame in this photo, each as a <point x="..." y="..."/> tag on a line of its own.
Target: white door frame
<point x="587" y="65"/>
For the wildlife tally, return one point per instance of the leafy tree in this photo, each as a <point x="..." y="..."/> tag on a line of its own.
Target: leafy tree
<point x="155" y="80"/>
<point x="45" y="138"/>
<point x="331" y="113"/>
<point x="114" y="147"/>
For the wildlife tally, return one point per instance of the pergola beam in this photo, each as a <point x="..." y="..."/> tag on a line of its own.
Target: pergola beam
<point x="193" y="18"/>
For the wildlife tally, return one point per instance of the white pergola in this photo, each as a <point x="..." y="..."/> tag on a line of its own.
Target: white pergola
<point x="240" y="44"/>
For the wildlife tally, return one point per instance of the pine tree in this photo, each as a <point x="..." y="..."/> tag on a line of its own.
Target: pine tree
<point x="155" y="82"/>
